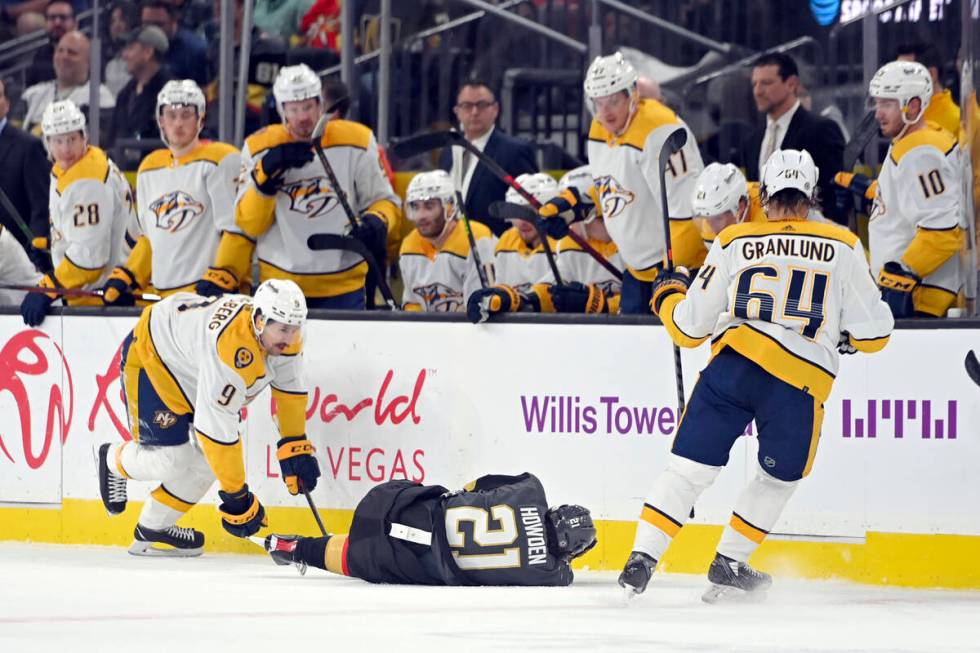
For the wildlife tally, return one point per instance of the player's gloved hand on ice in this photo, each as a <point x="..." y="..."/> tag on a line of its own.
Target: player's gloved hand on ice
<point x="554" y="224"/>
<point x="299" y="467"/>
<point x="577" y="298"/>
<point x="241" y="513"/>
<point x="118" y="289"/>
<point x="270" y="168"/>
<point x="848" y="185"/>
<point x="897" y="283"/>
<point x="844" y="345"/>
<point x="216" y="282"/>
<point x="668" y="283"/>
<point x="372" y="231"/>
<point x="39" y="255"/>
<point x="486" y="301"/>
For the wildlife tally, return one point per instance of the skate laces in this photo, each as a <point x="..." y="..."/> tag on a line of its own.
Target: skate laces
<point x="117" y="487"/>
<point x="180" y="533"/>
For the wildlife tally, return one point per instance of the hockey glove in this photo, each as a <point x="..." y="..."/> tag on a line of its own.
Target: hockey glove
<point x="666" y="284"/>
<point x="241" y="513"/>
<point x="844" y="345"/>
<point x="372" y="231"/>
<point x="897" y="284"/>
<point x="216" y="282"/>
<point x="850" y="185"/>
<point x="38" y="254"/>
<point x="299" y="468"/>
<point x="550" y="212"/>
<point x="486" y="301"/>
<point x="270" y="169"/>
<point x="36" y="304"/>
<point x="578" y="298"/>
<point x="118" y="290"/>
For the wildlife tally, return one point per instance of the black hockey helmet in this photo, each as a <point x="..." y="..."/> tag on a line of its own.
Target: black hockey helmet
<point x="570" y="531"/>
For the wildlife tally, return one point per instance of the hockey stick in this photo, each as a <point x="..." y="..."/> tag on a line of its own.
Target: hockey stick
<point x="973" y="366"/>
<point x="480" y="270"/>
<point x="316" y="513"/>
<point x="675" y="141"/>
<point x="865" y="131"/>
<point x="511" y="211"/>
<point x="9" y="207"/>
<point x="348" y="244"/>
<point x="317" y="138"/>
<point x="412" y="146"/>
<point x="77" y="292"/>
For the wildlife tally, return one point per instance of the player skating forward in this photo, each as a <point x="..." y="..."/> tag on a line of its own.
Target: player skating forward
<point x="90" y="204"/>
<point x="779" y="300"/>
<point x="499" y="530"/>
<point x="285" y="197"/>
<point x="185" y="196"/>
<point x="188" y="367"/>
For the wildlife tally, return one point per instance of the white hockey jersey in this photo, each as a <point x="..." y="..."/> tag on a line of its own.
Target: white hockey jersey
<point x="443" y="279"/>
<point x="780" y="294"/>
<point x="182" y="206"/>
<point x="518" y="265"/>
<point x="202" y="357"/>
<point x="575" y="264"/>
<point x="918" y="218"/>
<point x="628" y="187"/>
<point x="15" y="268"/>
<point x="90" y="205"/>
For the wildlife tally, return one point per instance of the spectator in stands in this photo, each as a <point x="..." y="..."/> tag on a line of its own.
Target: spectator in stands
<point x="71" y="69"/>
<point x="775" y="81"/>
<point x="281" y="18"/>
<point x="188" y="52"/>
<point x="135" y="113"/>
<point x="942" y="109"/>
<point x="30" y="23"/>
<point x="24" y="177"/>
<point x="59" y="19"/>
<point x="320" y="27"/>
<point x="335" y="91"/>
<point x="123" y="19"/>
<point x="477" y="109"/>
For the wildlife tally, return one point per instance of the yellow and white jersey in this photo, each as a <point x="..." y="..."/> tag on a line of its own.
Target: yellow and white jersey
<point x="756" y="214"/>
<point x="944" y="112"/>
<point x="575" y="264"/>
<point x="15" y="268"/>
<point x="183" y="205"/>
<point x="780" y="293"/>
<point x="917" y="217"/>
<point x="202" y="356"/>
<point x="627" y="183"/>
<point x="306" y="204"/>
<point x="442" y="279"/>
<point x="517" y="264"/>
<point x="90" y="205"/>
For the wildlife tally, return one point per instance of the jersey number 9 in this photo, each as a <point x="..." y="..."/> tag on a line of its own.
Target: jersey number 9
<point x="471" y="555"/>
<point x="761" y="304"/>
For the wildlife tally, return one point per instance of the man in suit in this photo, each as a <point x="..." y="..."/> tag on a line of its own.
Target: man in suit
<point x="775" y="82"/>
<point x="25" y="174"/>
<point x="477" y="109"/>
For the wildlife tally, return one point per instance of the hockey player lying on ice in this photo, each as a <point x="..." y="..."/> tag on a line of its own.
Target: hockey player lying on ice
<point x="497" y="531"/>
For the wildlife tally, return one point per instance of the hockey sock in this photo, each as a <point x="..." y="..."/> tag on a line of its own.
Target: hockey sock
<point x="312" y="551"/>
<point x="756" y="512"/>
<point x="669" y="504"/>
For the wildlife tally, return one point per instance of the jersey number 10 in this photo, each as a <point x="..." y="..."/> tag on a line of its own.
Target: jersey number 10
<point x="753" y="304"/>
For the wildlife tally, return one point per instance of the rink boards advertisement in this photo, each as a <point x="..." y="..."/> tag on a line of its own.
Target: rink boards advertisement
<point x="590" y="409"/>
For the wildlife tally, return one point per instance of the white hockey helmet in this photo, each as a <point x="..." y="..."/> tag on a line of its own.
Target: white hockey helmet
<point x="435" y="184"/>
<point x="539" y="184"/>
<point x="790" y="169"/>
<point x="62" y="117"/>
<point x="608" y="75"/>
<point x="718" y="189"/>
<point x="581" y="180"/>
<point x="296" y="83"/>
<point x="280" y="300"/>
<point x="903" y="81"/>
<point x="181" y="92"/>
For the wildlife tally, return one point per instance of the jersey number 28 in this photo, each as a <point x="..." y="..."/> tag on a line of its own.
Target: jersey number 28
<point x="752" y="304"/>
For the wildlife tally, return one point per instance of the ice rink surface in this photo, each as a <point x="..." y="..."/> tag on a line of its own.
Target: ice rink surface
<point x="81" y="599"/>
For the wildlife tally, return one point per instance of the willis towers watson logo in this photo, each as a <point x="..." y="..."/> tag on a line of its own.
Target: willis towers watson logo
<point x="899" y="418"/>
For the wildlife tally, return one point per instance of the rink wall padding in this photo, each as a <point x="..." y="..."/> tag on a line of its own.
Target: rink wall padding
<point x="588" y="407"/>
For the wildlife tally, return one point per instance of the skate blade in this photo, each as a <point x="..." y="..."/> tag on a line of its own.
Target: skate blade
<point x="727" y="594"/>
<point x="146" y="549"/>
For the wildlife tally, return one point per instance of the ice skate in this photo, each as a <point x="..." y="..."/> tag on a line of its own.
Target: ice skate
<point x="637" y="572"/>
<point x="112" y="487"/>
<point x="735" y="581"/>
<point x="282" y="548"/>
<point x="178" y="542"/>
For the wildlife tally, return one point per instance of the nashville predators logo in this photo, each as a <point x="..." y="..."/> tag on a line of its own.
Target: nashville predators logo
<point x="164" y="419"/>
<point x="243" y="358"/>
<point x="613" y="198"/>
<point x="311" y="197"/>
<point x="175" y="211"/>
<point x="440" y="297"/>
<point x="877" y="208"/>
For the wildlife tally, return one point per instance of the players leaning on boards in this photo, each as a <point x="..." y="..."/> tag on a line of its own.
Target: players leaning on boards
<point x="185" y="195"/>
<point x="499" y="530"/>
<point x="188" y="368"/>
<point x="779" y="301"/>
<point x="90" y="207"/>
<point x="285" y="197"/>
